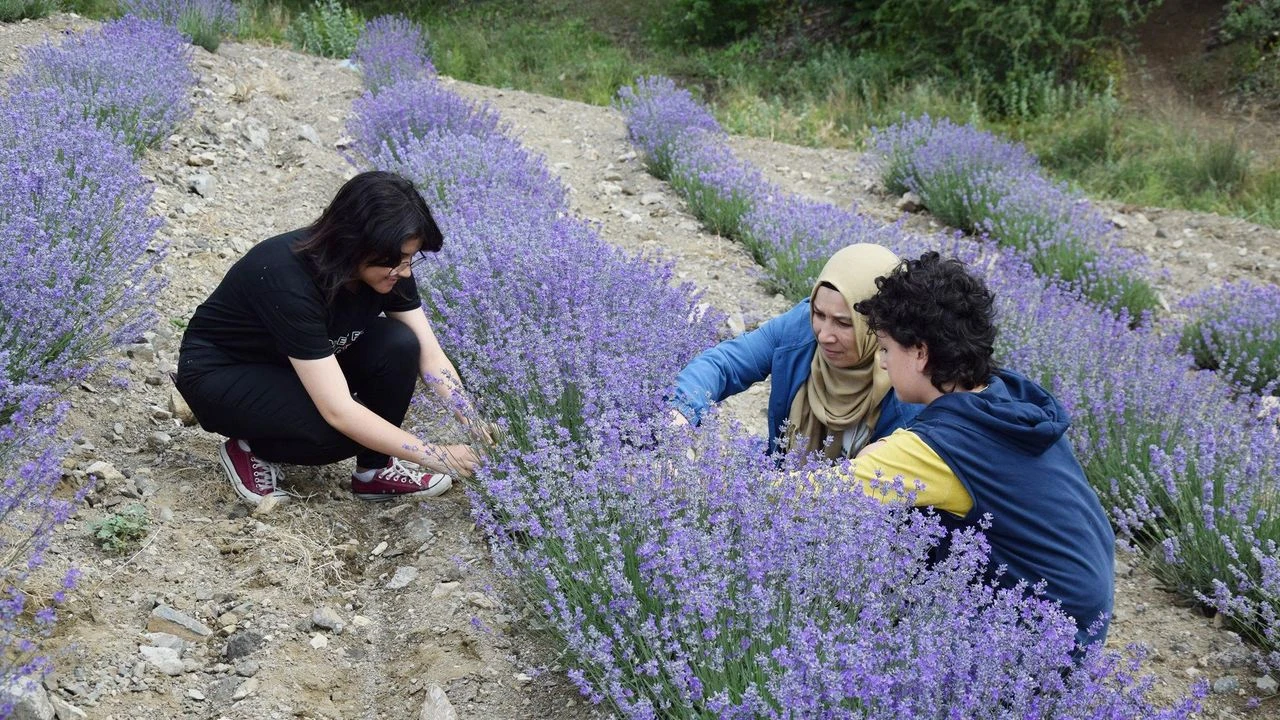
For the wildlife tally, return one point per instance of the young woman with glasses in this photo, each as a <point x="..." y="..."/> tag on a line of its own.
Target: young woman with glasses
<point x="310" y="348"/>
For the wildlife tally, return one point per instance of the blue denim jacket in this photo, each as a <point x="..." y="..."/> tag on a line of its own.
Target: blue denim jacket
<point x="783" y="348"/>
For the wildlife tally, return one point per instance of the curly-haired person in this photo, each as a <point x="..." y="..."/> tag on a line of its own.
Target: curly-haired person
<point x="989" y="442"/>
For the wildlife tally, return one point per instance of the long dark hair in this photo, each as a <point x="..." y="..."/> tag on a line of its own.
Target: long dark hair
<point x="367" y="222"/>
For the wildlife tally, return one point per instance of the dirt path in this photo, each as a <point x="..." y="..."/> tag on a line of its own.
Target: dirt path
<point x="427" y="609"/>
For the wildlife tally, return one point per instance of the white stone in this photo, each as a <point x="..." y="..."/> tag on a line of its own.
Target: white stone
<point x="327" y="618"/>
<point x="163" y="659"/>
<point x="319" y="642"/>
<point x="65" y="710"/>
<point x="437" y="705"/>
<point x="402" y="577"/>
<point x="444" y="589"/>
<point x="104" y="471"/>
<point x="247" y="688"/>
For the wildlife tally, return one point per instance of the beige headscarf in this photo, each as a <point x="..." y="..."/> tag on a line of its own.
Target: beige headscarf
<point x="833" y="399"/>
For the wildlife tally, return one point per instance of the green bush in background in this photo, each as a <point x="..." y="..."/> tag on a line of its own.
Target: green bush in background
<point x="327" y="29"/>
<point x="12" y="10"/>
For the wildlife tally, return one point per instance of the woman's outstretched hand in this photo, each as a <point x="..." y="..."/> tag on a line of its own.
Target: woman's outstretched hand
<point x="456" y="460"/>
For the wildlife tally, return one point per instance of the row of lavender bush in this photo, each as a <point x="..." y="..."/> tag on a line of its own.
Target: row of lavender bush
<point x="687" y="577"/>
<point x="969" y="179"/>
<point x="77" y="259"/>
<point x="973" y="180"/>
<point x="1186" y="467"/>
<point x="1235" y="329"/>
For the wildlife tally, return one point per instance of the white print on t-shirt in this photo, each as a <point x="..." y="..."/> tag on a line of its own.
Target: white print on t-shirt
<point x="345" y="341"/>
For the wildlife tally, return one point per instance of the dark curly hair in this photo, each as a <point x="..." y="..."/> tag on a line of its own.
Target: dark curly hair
<point x="939" y="304"/>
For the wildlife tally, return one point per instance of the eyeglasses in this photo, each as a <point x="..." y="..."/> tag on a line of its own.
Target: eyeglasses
<point x="413" y="264"/>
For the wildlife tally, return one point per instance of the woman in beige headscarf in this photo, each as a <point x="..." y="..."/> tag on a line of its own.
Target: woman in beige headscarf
<point x="827" y="381"/>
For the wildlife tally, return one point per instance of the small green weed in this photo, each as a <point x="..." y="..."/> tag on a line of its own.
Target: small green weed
<point x="121" y="530"/>
<point x="327" y="29"/>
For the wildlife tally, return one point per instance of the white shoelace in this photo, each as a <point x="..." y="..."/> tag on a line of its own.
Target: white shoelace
<point x="266" y="474"/>
<point x="405" y="472"/>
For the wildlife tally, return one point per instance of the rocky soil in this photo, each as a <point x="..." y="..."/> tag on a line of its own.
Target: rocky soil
<point x="332" y="608"/>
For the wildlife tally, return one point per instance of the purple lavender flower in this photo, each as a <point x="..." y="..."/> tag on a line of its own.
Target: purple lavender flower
<point x="392" y="48"/>
<point x="410" y="109"/>
<point x="130" y="77"/>
<point x="205" y="22"/>
<point x="1235" y="329"/>
<point x="658" y="113"/>
<point x="718" y="186"/>
<point x="974" y="181"/>
<point x="75" y="235"/>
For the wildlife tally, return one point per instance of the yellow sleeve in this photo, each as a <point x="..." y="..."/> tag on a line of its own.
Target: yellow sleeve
<point x="904" y="454"/>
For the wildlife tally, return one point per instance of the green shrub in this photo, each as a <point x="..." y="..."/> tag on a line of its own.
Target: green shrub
<point x="1256" y="22"/>
<point x="327" y="29"/>
<point x="11" y="10"/>
<point x="1022" y="54"/>
<point x="711" y="22"/>
<point x="121" y="530"/>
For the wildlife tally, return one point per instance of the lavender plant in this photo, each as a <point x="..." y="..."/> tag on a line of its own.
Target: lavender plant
<point x="77" y="255"/>
<point x="658" y="113"/>
<point x="205" y="22"/>
<point x="30" y="468"/>
<point x="408" y="109"/>
<point x="75" y="235"/>
<point x="718" y="187"/>
<point x="392" y="48"/>
<point x="1235" y="329"/>
<point x="130" y="77"/>
<point x="686" y="587"/>
<point x="974" y="181"/>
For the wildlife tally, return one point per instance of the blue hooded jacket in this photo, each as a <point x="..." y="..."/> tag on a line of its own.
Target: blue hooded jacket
<point x="1007" y="444"/>
<point x="782" y="347"/>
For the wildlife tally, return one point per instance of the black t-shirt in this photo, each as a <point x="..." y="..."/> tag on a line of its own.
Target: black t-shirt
<point x="269" y="308"/>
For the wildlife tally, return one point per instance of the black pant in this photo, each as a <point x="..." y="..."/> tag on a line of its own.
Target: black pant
<point x="267" y="406"/>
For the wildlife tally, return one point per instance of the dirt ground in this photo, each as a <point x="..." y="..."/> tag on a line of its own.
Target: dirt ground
<point x="330" y="608"/>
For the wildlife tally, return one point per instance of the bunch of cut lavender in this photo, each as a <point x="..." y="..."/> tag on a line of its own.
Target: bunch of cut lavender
<point x="658" y="113"/>
<point x="76" y="242"/>
<point x="131" y="77"/>
<point x="409" y="109"/>
<point x="1235" y="329"/>
<point x="392" y="48"/>
<point x="205" y="22"/>
<point x="974" y="181"/>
